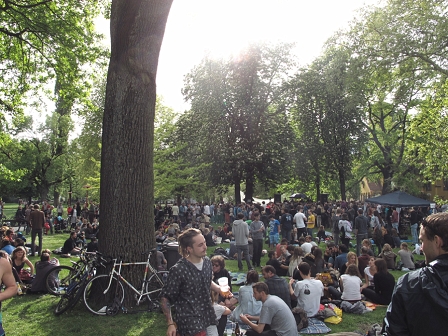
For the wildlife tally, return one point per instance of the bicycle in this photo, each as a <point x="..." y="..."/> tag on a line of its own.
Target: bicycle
<point x="59" y="278"/>
<point x="104" y="294"/>
<point x="74" y="290"/>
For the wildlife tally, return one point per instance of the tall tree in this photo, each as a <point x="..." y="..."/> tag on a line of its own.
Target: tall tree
<point x="236" y="112"/>
<point x="327" y="115"/>
<point x="127" y="178"/>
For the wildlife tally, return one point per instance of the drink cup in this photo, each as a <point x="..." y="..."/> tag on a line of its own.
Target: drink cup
<point x="224" y="286"/>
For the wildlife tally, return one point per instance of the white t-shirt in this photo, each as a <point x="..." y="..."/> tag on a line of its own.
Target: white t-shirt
<point x="308" y="293"/>
<point x="212" y="330"/>
<point x="299" y="219"/>
<point x="352" y="285"/>
<point x="369" y="276"/>
<point x="306" y="247"/>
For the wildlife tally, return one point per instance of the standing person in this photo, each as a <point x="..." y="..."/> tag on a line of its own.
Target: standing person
<point x="361" y="227"/>
<point x="37" y="221"/>
<point x="256" y="231"/>
<point x="414" y="224"/>
<point x="345" y="227"/>
<point x="308" y="291"/>
<point x="7" y="279"/>
<point x="274" y="312"/>
<point x="188" y="288"/>
<point x="420" y="299"/>
<point x="286" y="224"/>
<point x="274" y="229"/>
<point x="175" y="210"/>
<point x="311" y="223"/>
<point x="394" y="219"/>
<point x="240" y="231"/>
<point x="60" y="209"/>
<point x="74" y="217"/>
<point x="300" y="219"/>
<point x="335" y="225"/>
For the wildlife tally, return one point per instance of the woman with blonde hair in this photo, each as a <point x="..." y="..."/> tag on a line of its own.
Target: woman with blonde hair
<point x="295" y="260"/>
<point x="352" y="259"/>
<point x="389" y="256"/>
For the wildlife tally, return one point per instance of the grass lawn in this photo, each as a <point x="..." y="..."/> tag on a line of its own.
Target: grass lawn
<point x="33" y="314"/>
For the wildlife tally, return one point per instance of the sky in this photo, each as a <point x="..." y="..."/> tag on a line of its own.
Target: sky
<point x="219" y="28"/>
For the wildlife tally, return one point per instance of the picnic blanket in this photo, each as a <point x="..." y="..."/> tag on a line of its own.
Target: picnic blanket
<point x="315" y="326"/>
<point x="239" y="278"/>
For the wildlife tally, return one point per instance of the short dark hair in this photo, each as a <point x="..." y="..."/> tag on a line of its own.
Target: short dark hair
<point x="45" y="257"/>
<point x="269" y="268"/>
<point x="271" y="254"/>
<point x="304" y="268"/>
<point x="252" y="277"/>
<point x="240" y="215"/>
<point x="364" y="250"/>
<point x="437" y="225"/>
<point x="343" y="248"/>
<point x="261" y="287"/>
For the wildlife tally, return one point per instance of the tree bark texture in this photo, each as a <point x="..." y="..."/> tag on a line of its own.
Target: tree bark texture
<point x="127" y="179"/>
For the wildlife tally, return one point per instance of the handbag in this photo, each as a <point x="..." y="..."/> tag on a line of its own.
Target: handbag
<point x="325" y="278"/>
<point x="300" y="317"/>
<point x="25" y="275"/>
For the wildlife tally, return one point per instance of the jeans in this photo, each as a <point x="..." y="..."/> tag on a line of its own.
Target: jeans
<point x="258" y="247"/>
<point x="286" y="234"/>
<point x="243" y="249"/>
<point x="33" y="239"/>
<point x="359" y="239"/>
<point x="336" y="238"/>
<point x="309" y="232"/>
<point x="414" y="233"/>
<point x="395" y="226"/>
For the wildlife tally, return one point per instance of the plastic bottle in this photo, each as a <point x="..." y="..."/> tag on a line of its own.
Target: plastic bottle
<point x="19" y="289"/>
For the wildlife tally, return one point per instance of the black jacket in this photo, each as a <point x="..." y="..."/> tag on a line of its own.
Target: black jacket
<point x="420" y="301"/>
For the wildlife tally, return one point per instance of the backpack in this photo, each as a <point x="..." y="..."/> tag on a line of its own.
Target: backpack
<point x="300" y="317"/>
<point x="342" y="231"/>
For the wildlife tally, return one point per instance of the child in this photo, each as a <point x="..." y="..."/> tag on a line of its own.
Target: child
<point x="212" y="330"/>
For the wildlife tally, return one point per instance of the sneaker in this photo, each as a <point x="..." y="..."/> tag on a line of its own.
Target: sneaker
<point x="405" y="269"/>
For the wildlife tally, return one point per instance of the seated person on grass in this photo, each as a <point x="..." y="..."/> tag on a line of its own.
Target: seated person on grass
<point x="70" y="247"/>
<point x="43" y="267"/>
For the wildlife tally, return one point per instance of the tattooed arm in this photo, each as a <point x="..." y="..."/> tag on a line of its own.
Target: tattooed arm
<point x="166" y="308"/>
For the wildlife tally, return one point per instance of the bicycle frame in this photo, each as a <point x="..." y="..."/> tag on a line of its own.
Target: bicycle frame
<point x="148" y="268"/>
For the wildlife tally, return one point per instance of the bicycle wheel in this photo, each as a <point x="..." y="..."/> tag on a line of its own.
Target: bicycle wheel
<point x="58" y="279"/>
<point x="66" y="302"/>
<point x="94" y="297"/>
<point x="155" y="284"/>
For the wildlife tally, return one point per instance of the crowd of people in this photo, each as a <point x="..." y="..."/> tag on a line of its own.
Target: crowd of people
<point x="39" y="220"/>
<point x="292" y="273"/>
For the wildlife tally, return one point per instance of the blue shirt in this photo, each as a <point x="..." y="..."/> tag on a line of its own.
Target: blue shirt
<point x="274" y="225"/>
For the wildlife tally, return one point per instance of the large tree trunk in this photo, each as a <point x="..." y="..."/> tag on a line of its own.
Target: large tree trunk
<point x="341" y="174"/>
<point x="127" y="179"/>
